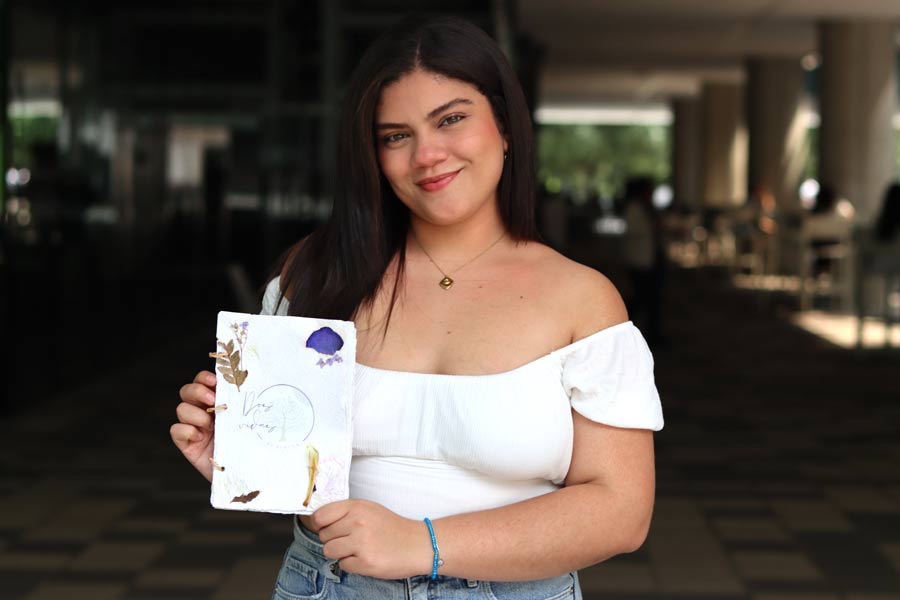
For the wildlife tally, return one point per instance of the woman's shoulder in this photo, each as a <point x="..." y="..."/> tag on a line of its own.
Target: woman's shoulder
<point x="586" y="295"/>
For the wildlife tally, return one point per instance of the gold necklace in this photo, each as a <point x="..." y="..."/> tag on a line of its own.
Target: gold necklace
<point x="447" y="282"/>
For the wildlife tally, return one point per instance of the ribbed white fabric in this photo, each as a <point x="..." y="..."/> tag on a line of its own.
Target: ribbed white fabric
<point x="435" y="445"/>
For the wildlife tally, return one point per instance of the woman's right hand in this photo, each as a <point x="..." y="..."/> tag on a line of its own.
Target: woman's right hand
<point x="193" y="434"/>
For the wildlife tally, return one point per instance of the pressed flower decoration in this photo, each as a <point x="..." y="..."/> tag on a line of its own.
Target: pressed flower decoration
<point x="326" y="342"/>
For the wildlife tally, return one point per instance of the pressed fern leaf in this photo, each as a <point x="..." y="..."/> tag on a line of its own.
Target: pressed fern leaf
<point x="226" y="373"/>
<point x="230" y="367"/>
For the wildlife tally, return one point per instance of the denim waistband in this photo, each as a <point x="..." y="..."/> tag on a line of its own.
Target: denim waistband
<point x="330" y="569"/>
<point x="307" y="538"/>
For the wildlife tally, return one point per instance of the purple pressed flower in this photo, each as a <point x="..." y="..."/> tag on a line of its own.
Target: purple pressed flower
<point x="325" y="341"/>
<point x="245" y="325"/>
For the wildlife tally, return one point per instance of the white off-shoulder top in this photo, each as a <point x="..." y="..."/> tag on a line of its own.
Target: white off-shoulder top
<point x="436" y="445"/>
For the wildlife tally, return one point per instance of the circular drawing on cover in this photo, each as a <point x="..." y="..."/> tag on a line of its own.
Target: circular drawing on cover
<point x="283" y="415"/>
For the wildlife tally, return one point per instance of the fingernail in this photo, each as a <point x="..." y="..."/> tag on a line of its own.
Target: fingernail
<point x="211" y="398"/>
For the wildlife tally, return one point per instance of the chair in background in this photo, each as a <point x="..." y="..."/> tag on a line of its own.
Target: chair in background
<point x="877" y="268"/>
<point x="826" y="260"/>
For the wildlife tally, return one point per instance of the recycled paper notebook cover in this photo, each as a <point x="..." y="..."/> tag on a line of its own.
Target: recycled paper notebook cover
<point x="284" y="388"/>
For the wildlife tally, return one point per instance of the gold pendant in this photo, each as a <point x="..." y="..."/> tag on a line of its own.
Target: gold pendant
<point x="446" y="283"/>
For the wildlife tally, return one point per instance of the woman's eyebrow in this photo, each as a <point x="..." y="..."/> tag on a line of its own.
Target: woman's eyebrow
<point x="448" y="105"/>
<point x="432" y="114"/>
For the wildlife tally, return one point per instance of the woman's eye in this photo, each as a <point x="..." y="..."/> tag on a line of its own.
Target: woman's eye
<point x="451" y="120"/>
<point x="393" y="138"/>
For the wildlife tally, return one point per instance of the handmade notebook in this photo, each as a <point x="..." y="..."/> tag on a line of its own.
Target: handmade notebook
<point x="284" y="388"/>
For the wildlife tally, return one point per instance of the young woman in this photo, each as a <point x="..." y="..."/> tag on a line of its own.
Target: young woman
<point x="500" y="390"/>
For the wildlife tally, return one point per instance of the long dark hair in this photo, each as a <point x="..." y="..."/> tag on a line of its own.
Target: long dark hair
<point x="340" y="267"/>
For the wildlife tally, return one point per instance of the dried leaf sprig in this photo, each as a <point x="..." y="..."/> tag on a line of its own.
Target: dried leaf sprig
<point x="230" y="360"/>
<point x="312" y="459"/>
<point x="245" y="498"/>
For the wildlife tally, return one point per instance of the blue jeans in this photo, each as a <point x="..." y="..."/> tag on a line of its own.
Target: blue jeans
<point x="307" y="575"/>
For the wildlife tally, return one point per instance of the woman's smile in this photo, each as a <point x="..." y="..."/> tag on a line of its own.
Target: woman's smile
<point x="439" y="182"/>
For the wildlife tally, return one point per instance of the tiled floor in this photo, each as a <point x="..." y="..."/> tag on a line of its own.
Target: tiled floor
<point x="778" y="476"/>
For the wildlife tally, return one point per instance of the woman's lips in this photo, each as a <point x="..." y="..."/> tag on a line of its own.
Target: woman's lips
<point x="433" y="184"/>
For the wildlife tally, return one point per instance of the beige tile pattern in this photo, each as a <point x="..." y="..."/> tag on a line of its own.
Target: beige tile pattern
<point x="795" y="596"/>
<point x="775" y="488"/>
<point x="200" y="495"/>
<point x="892" y="552"/>
<point x="187" y="578"/>
<point x="862" y="499"/>
<point x="132" y="484"/>
<point x="221" y="538"/>
<point x="750" y="529"/>
<point x="250" y="578"/>
<point x="810" y="515"/>
<point x="620" y="576"/>
<point x="733" y="504"/>
<point x="36" y="560"/>
<point x="678" y="514"/>
<point x="36" y="503"/>
<point x="77" y="591"/>
<point x="118" y="556"/>
<point x="21" y="513"/>
<point x="690" y="560"/>
<point x="228" y="517"/>
<point x="282" y="526"/>
<point x="893" y="491"/>
<point x="151" y="525"/>
<point x="81" y="521"/>
<point x="776" y="566"/>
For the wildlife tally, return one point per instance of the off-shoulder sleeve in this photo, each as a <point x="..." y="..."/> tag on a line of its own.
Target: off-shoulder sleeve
<point x="272" y="302"/>
<point x="609" y="378"/>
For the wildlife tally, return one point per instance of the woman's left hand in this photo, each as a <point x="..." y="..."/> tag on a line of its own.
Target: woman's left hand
<point x="368" y="539"/>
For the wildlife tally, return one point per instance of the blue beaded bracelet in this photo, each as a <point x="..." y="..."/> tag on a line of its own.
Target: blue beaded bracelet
<point x="438" y="562"/>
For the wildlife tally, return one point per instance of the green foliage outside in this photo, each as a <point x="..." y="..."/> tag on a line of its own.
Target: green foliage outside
<point x="597" y="159"/>
<point x="586" y="159"/>
<point x="27" y="131"/>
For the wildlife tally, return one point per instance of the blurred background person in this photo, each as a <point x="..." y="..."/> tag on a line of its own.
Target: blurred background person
<point x="644" y="256"/>
<point x="887" y="227"/>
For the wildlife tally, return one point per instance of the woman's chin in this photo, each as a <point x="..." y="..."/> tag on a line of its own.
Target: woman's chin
<point x="448" y="214"/>
<point x="444" y="219"/>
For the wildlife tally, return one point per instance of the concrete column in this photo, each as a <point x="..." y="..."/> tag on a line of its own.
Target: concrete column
<point x="777" y="129"/>
<point x="687" y="153"/>
<point x="724" y="167"/>
<point x="858" y="99"/>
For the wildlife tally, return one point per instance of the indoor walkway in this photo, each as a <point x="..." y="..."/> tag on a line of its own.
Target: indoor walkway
<point x="778" y="475"/>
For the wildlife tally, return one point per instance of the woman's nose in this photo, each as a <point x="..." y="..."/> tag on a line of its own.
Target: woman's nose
<point x="429" y="152"/>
